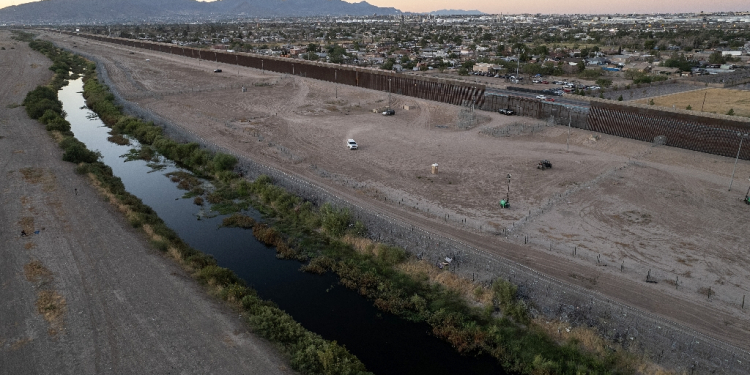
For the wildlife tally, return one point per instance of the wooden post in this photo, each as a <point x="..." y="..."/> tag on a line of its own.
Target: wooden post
<point x="743" y="302"/>
<point x="648" y="276"/>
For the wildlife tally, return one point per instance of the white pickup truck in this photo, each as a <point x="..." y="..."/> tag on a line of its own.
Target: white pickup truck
<point x="351" y="144"/>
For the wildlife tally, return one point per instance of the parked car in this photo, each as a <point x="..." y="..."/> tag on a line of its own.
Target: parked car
<point x="545" y="82"/>
<point x="506" y="111"/>
<point x="350" y="144"/>
<point x="542" y="97"/>
<point x="389" y="112"/>
<point x="217" y="70"/>
<point x="549" y="99"/>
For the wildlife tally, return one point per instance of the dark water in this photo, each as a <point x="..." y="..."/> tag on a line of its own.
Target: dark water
<point x="385" y="343"/>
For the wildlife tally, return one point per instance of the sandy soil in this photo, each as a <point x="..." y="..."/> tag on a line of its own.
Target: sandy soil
<point x="87" y="294"/>
<point x="614" y="202"/>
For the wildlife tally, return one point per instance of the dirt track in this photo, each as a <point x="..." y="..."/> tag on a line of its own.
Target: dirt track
<point x="112" y="303"/>
<point x="625" y="202"/>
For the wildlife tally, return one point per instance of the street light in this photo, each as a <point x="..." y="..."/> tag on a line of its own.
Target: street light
<point x="742" y="137"/>
<point x="389" y="93"/>
<point x="520" y="51"/>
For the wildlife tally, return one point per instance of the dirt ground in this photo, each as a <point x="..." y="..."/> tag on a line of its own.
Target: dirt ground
<point x="718" y="101"/>
<point x="83" y="292"/>
<point x="612" y="208"/>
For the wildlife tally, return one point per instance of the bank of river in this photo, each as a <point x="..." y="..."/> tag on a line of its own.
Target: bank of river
<point x="385" y="343"/>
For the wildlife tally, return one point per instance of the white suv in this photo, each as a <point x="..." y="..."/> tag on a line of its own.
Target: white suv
<point x="351" y="144"/>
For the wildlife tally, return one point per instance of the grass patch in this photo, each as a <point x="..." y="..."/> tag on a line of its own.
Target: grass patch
<point x="716" y="101"/>
<point x="118" y="139"/>
<point x="36" y="272"/>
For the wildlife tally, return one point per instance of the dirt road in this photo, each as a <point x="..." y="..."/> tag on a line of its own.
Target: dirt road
<point x="83" y="293"/>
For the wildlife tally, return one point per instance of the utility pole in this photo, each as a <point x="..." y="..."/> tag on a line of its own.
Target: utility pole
<point x="704" y="99"/>
<point x="742" y="137"/>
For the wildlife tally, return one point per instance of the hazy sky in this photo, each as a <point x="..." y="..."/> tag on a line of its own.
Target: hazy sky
<point x="549" y="6"/>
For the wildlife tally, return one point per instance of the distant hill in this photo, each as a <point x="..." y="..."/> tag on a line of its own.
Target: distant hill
<point x="116" y="11"/>
<point x="456" y="12"/>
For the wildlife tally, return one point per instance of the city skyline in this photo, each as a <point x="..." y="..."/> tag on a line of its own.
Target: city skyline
<point x="547" y="6"/>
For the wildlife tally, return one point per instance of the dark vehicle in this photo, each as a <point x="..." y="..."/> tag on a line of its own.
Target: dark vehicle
<point x="217" y="70"/>
<point x="389" y="112"/>
<point x="506" y="111"/>
<point x="544" y="164"/>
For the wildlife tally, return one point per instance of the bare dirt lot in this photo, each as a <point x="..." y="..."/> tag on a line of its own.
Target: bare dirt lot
<point x="83" y="293"/>
<point x="610" y="208"/>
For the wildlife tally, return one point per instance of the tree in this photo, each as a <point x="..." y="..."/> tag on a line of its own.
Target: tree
<point x="604" y="82"/>
<point x="717" y="58"/>
<point x="619" y="98"/>
<point x="731" y="112"/>
<point x="649" y="44"/>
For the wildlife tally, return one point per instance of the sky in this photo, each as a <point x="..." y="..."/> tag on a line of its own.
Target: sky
<point x="549" y="6"/>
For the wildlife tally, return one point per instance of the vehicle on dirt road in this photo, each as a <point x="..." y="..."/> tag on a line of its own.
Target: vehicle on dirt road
<point x="506" y="111"/>
<point x="350" y="144"/>
<point x="544" y="164"/>
<point x="389" y="112"/>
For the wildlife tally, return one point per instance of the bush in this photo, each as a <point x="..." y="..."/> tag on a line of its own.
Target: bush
<point x="54" y="121"/>
<point x="40" y="100"/>
<point x="606" y="83"/>
<point x="76" y="152"/>
<point x="223" y="162"/>
<point x="335" y="221"/>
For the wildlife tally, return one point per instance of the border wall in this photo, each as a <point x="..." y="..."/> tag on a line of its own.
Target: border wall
<point x="558" y="114"/>
<point x="712" y="135"/>
<point x="440" y="90"/>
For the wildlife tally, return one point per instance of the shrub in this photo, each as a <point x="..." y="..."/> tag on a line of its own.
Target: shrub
<point x="606" y="83"/>
<point x="335" y="221"/>
<point x="40" y="100"/>
<point x="223" y="162"/>
<point x="54" y="121"/>
<point x="215" y="275"/>
<point x="76" y="152"/>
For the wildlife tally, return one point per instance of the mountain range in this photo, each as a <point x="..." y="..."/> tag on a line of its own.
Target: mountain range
<point x="121" y="11"/>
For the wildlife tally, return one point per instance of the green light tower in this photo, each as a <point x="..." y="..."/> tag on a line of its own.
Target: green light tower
<point x="505" y="203"/>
